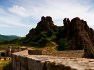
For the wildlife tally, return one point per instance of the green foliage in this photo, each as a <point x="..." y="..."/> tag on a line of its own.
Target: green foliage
<point x="41" y="39"/>
<point x="63" y="45"/>
<point x="5" y="65"/>
<point x="17" y="41"/>
<point x="38" y="43"/>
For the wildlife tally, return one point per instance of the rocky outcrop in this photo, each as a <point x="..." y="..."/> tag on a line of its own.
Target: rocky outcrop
<point x="39" y="35"/>
<point x="79" y="35"/>
<point x="73" y="30"/>
<point x="74" y="35"/>
<point x="46" y="24"/>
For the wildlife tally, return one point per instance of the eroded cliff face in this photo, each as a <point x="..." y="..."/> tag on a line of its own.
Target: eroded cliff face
<point x="74" y="35"/>
<point x="79" y="35"/>
<point x="75" y="31"/>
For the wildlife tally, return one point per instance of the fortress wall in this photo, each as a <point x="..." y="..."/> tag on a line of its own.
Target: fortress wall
<point x="23" y="61"/>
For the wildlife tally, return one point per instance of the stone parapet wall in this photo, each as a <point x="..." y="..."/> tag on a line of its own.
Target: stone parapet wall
<point x="23" y="61"/>
<point x="35" y="52"/>
<point x="67" y="53"/>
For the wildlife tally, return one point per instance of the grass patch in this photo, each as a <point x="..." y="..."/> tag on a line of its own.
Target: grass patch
<point x="4" y="63"/>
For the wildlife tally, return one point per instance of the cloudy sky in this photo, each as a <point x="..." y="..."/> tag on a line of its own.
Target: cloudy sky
<point x="17" y="17"/>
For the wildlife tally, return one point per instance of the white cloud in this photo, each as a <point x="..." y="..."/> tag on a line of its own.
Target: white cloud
<point x="54" y="8"/>
<point x="58" y="9"/>
<point x="9" y="20"/>
<point x="19" y="10"/>
<point x="4" y="25"/>
<point x="12" y="24"/>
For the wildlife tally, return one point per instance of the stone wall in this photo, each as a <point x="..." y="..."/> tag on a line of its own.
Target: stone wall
<point x="35" y="52"/>
<point x="23" y="61"/>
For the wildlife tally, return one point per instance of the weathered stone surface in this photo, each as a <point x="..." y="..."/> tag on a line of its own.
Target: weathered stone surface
<point x="45" y="62"/>
<point x="35" y="52"/>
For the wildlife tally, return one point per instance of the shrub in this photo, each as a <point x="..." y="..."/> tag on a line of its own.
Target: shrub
<point x="63" y="45"/>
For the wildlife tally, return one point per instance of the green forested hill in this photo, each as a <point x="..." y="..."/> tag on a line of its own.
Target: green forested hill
<point x="7" y="38"/>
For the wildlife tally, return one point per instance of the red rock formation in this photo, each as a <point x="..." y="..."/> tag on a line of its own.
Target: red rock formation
<point x="79" y="35"/>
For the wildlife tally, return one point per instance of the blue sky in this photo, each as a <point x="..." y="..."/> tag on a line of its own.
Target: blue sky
<point x="17" y="17"/>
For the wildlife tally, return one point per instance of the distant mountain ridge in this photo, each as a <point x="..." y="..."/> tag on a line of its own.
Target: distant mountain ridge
<point x="7" y="37"/>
